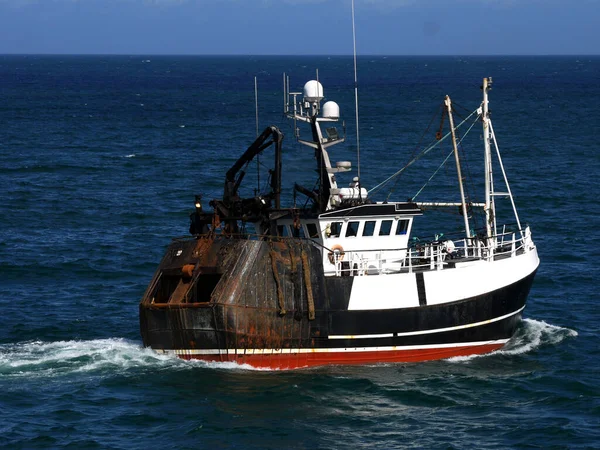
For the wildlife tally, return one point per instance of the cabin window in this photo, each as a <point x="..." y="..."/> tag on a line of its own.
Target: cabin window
<point x="336" y="229"/>
<point x="312" y="229"/>
<point x="386" y="227"/>
<point x="369" y="229"/>
<point x="352" y="229"/>
<point x="282" y="230"/>
<point x="402" y="227"/>
<point x="298" y="232"/>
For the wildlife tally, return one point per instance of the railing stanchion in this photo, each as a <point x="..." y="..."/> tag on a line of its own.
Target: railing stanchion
<point x="513" y="246"/>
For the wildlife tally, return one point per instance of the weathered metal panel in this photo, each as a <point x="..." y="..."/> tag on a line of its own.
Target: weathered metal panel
<point x="270" y="294"/>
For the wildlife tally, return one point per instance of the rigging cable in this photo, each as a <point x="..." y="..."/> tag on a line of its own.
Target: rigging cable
<point x="417" y="147"/>
<point x="445" y="160"/>
<point x="419" y="156"/>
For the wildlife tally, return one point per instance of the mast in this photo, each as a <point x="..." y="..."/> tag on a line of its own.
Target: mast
<point x="490" y="213"/>
<point x="448" y="104"/>
<point x="309" y="110"/>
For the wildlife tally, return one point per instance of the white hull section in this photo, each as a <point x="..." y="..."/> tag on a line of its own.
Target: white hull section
<point x="466" y="280"/>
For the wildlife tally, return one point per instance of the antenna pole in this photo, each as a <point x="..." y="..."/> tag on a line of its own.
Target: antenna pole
<point x="460" y="184"/>
<point x="356" y="95"/>
<point x="257" y="156"/>
<point x="256" y="103"/>
<point x="285" y="100"/>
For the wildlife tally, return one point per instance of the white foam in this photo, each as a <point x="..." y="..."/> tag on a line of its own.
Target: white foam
<point x="130" y="156"/>
<point x="229" y="365"/>
<point x="60" y="357"/>
<point x="532" y="335"/>
<point x="115" y="355"/>
<point x="535" y="334"/>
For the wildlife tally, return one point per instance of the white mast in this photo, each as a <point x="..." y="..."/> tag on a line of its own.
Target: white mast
<point x="490" y="207"/>
<point x="448" y="104"/>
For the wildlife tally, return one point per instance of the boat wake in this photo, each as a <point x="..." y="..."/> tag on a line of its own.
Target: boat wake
<point x="93" y="357"/>
<point x="531" y="335"/>
<point x="115" y="355"/>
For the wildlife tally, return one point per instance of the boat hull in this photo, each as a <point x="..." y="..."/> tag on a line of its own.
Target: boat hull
<point x="275" y="360"/>
<point x="253" y="319"/>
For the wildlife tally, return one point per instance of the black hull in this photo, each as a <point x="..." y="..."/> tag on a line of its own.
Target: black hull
<point x="254" y="312"/>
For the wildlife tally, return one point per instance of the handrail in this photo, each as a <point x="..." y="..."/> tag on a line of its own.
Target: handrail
<point x="425" y="256"/>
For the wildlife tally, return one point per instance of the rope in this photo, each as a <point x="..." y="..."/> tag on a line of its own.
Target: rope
<point x="272" y="254"/>
<point x="446" y="160"/>
<point x="423" y="153"/>
<point x="309" y="292"/>
<point x="434" y="174"/>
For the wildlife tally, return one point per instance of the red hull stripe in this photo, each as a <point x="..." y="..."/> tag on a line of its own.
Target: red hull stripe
<point x="298" y="358"/>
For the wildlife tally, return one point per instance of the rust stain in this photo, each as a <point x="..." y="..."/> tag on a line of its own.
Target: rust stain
<point x="309" y="292"/>
<point x="187" y="271"/>
<point x="274" y="268"/>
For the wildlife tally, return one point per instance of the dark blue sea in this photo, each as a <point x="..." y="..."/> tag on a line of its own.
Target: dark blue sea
<point x="100" y="159"/>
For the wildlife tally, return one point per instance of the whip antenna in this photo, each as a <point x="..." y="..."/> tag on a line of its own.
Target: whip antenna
<point x="256" y="103"/>
<point x="356" y="95"/>
<point x="257" y="156"/>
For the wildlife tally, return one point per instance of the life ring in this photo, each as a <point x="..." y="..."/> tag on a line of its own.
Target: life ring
<point x="449" y="246"/>
<point x="336" y="249"/>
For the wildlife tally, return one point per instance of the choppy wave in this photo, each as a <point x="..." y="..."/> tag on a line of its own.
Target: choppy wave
<point x="532" y="335"/>
<point x="61" y="358"/>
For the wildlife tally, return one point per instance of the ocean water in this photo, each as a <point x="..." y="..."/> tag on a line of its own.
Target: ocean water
<point x="100" y="158"/>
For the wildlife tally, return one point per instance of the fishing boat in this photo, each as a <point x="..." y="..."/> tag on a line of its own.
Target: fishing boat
<point x="339" y="280"/>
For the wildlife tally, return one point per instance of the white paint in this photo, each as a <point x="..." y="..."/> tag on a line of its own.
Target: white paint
<point x="477" y="278"/>
<point x="467" y="280"/>
<point x="373" y="253"/>
<point x="362" y="336"/>
<point x="384" y="292"/>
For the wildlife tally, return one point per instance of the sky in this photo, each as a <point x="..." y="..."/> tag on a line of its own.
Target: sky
<point x="300" y="27"/>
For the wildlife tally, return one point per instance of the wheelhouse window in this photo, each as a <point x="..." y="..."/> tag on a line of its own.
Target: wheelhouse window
<point x="386" y="227"/>
<point x="335" y="229"/>
<point x="282" y="230"/>
<point x="312" y="229"/>
<point x="369" y="228"/>
<point x="402" y="227"/>
<point x="352" y="229"/>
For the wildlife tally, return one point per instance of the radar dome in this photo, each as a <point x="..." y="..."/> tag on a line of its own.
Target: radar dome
<point x="331" y="110"/>
<point x="313" y="91"/>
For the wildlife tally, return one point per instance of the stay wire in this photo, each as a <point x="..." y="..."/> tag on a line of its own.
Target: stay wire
<point x="418" y="145"/>
<point x="445" y="160"/>
<point x="419" y="156"/>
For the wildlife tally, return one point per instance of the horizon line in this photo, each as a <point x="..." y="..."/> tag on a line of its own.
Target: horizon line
<point x="313" y="55"/>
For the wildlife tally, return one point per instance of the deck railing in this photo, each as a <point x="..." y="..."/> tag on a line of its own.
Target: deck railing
<point x="426" y="256"/>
